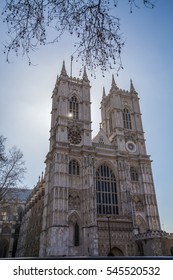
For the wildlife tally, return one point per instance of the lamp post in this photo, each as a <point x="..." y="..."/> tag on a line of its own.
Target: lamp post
<point x="109" y="234"/>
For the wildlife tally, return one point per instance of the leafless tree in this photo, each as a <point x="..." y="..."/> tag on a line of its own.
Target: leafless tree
<point x="12" y="168"/>
<point x="99" y="41"/>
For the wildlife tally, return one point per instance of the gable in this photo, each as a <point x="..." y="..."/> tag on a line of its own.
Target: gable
<point x="101" y="138"/>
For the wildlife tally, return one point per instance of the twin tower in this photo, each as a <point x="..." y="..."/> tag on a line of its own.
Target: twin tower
<point x="98" y="195"/>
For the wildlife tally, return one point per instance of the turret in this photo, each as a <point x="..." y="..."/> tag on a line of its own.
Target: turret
<point x="132" y="88"/>
<point x="113" y="85"/>
<point x="85" y="76"/>
<point x="63" y="70"/>
<point x="104" y="93"/>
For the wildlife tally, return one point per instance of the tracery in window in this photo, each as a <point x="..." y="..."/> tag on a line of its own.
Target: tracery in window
<point x="107" y="199"/>
<point x="73" y="167"/>
<point x="74" y="107"/>
<point x="134" y="174"/>
<point x="127" y="119"/>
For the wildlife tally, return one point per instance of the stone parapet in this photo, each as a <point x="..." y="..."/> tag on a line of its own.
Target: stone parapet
<point x="153" y="234"/>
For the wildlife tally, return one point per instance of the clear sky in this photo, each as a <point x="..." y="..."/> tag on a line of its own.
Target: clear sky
<point x="25" y="94"/>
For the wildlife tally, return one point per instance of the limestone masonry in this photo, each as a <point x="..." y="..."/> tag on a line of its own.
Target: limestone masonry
<point x="97" y="196"/>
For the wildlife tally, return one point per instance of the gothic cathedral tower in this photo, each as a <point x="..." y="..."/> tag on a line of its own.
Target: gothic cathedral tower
<point x="97" y="197"/>
<point x="99" y="194"/>
<point x="69" y="215"/>
<point x="122" y="124"/>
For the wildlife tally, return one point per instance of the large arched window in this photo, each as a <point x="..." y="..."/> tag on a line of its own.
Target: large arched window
<point x="107" y="200"/>
<point x="73" y="167"/>
<point x="127" y="119"/>
<point x="74" y="107"/>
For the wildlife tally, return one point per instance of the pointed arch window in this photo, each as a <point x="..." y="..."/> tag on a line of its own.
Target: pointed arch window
<point x="101" y="141"/>
<point x="73" y="167"/>
<point x="4" y="246"/>
<point x="110" y="123"/>
<point x="106" y="191"/>
<point x="76" y="234"/>
<point x="74" y="107"/>
<point x="127" y="119"/>
<point x="134" y="174"/>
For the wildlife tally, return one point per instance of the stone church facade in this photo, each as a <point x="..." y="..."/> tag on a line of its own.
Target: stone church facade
<point x="97" y="196"/>
<point x="11" y="209"/>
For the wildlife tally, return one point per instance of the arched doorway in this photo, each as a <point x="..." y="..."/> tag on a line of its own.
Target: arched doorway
<point x="75" y="234"/>
<point x="115" y="252"/>
<point x="4" y="245"/>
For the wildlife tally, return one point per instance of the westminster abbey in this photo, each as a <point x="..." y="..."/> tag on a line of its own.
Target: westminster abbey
<point x="97" y="196"/>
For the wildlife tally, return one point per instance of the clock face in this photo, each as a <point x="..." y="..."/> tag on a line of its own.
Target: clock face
<point x="131" y="146"/>
<point x="74" y="134"/>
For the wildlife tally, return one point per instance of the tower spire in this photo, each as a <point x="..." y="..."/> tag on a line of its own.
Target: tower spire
<point x="132" y="88"/>
<point x="114" y="85"/>
<point x="85" y="76"/>
<point x="63" y="70"/>
<point x="104" y="93"/>
<point x="71" y="66"/>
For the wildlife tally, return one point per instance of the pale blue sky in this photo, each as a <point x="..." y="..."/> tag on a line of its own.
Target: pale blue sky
<point x="147" y="58"/>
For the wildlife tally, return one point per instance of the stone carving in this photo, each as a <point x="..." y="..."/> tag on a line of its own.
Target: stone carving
<point x="128" y="135"/>
<point x="157" y="248"/>
<point x="139" y="206"/>
<point x="74" y="200"/>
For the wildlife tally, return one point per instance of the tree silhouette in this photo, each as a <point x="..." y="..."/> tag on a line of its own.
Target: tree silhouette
<point x="12" y="168"/>
<point x="99" y="41"/>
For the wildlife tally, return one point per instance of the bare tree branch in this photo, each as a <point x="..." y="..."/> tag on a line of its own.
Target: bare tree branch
<point x="12" y="168"/>
<point x="91" y="21"/>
